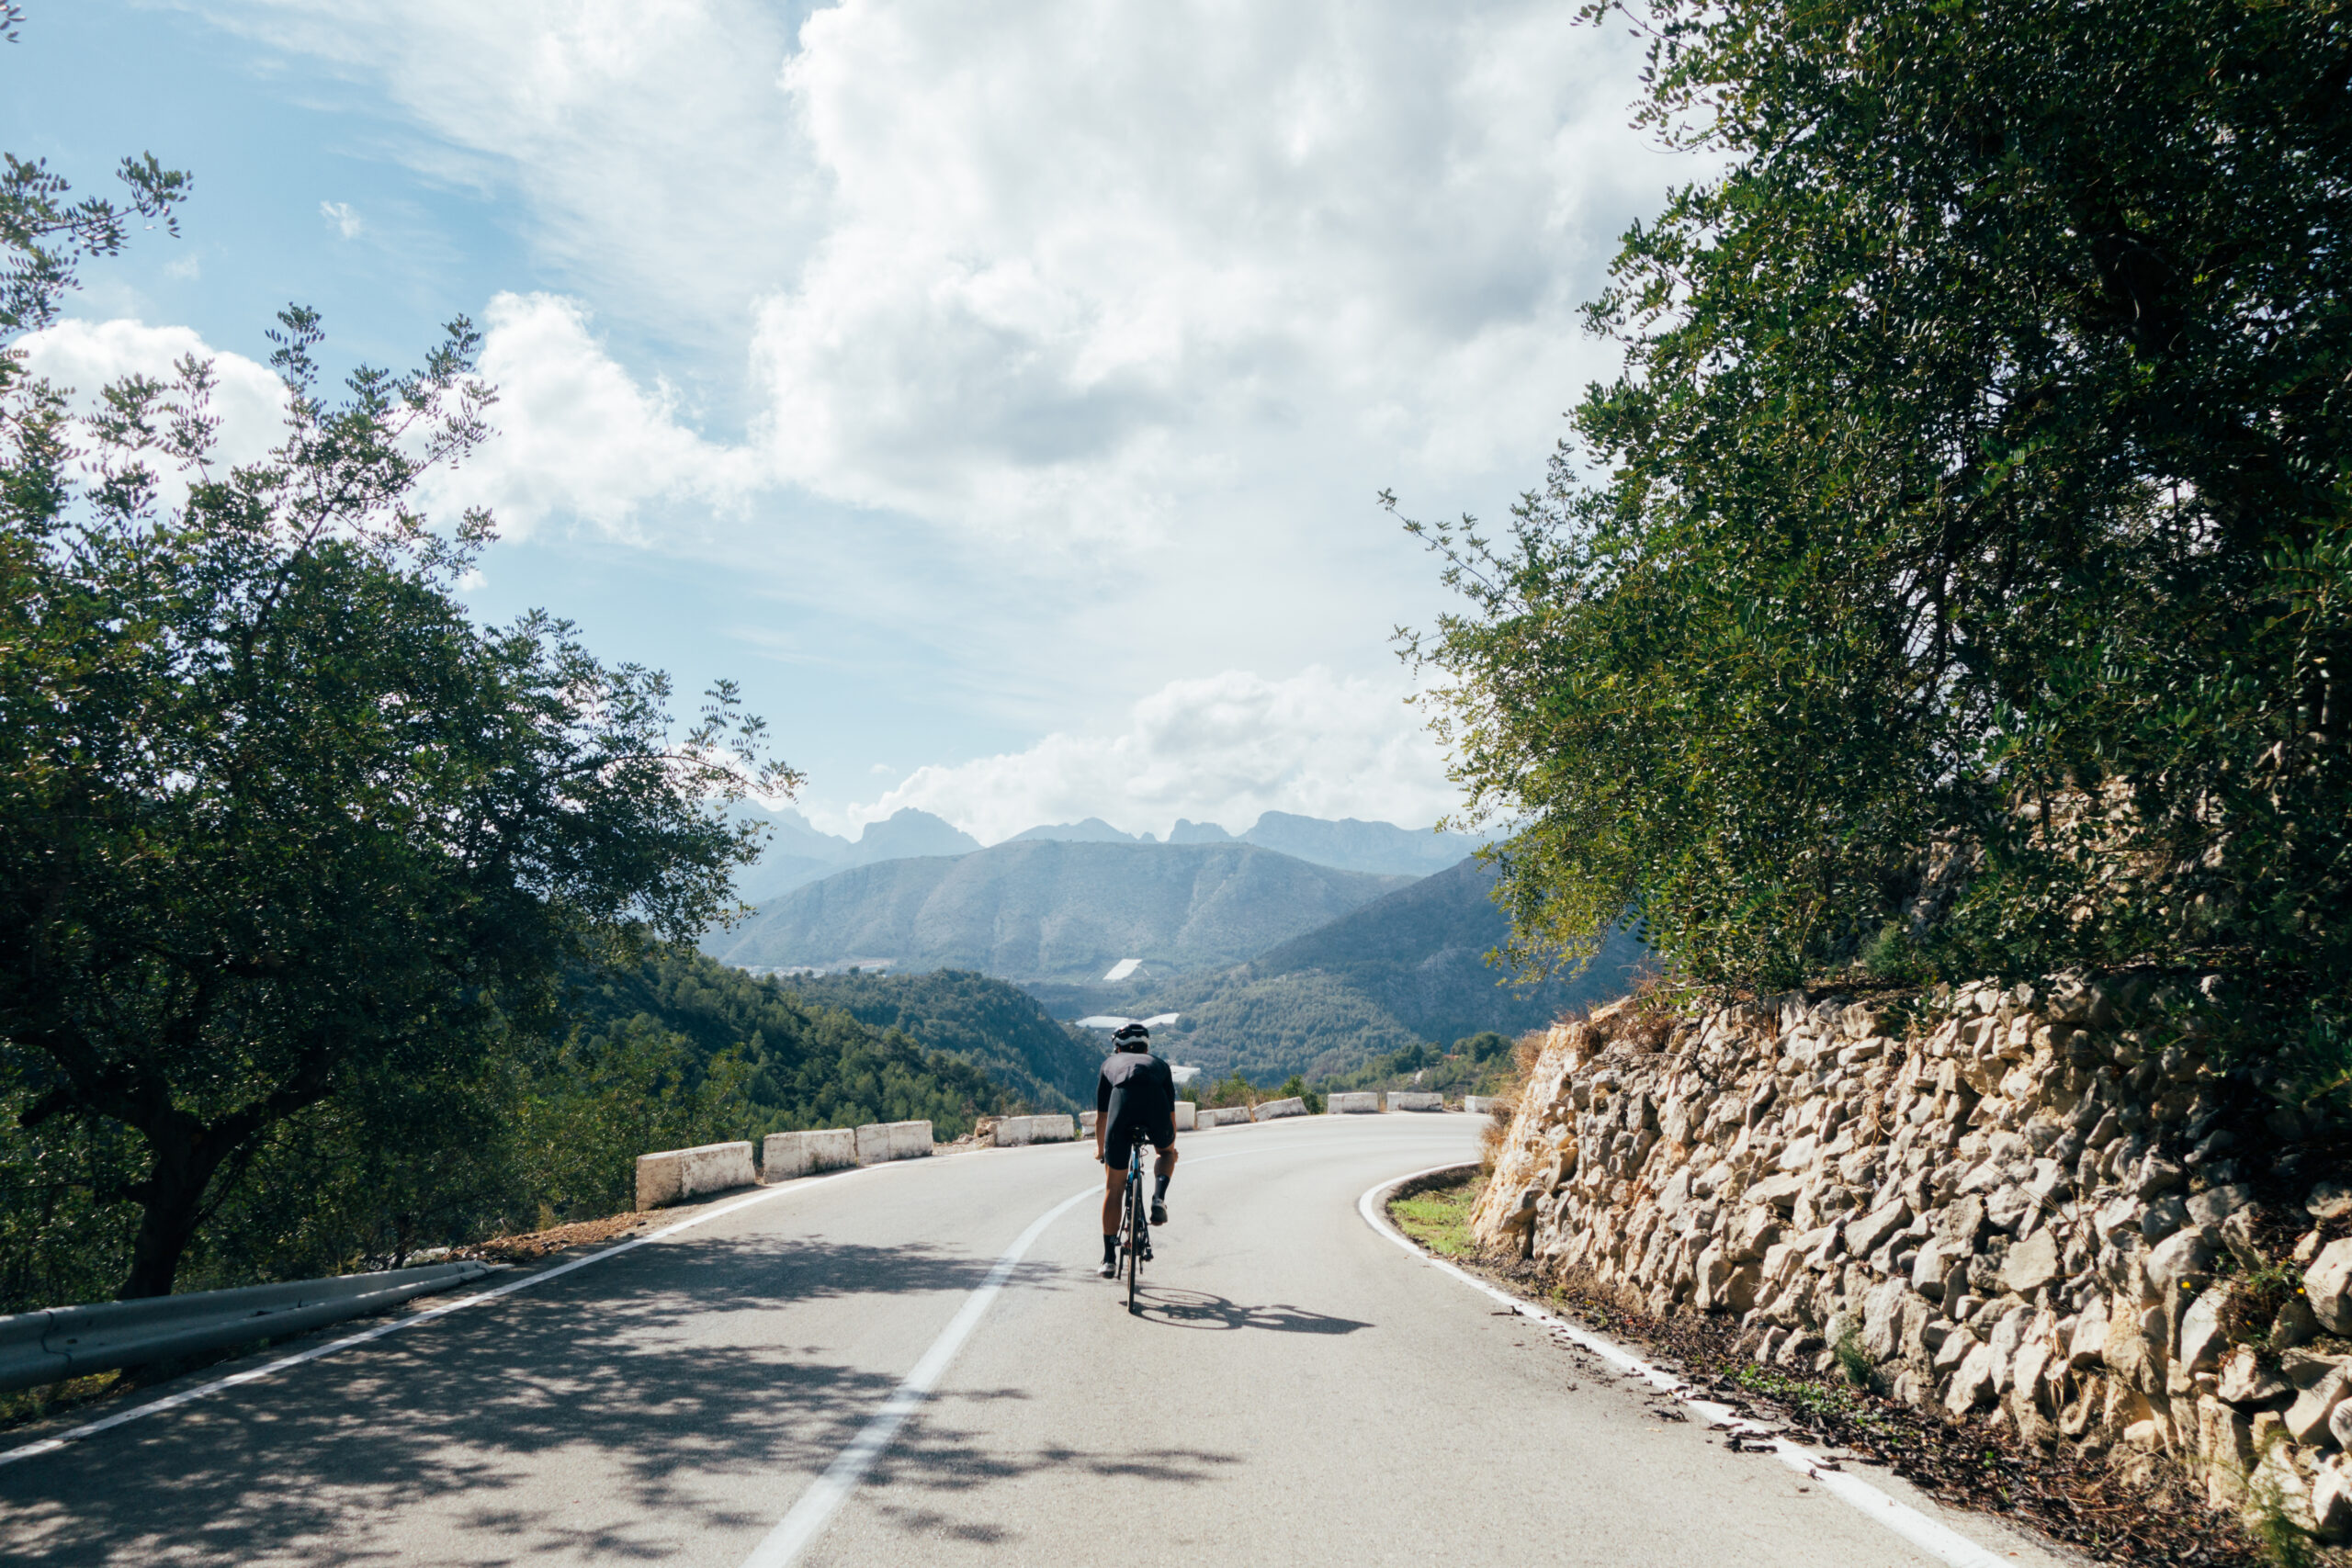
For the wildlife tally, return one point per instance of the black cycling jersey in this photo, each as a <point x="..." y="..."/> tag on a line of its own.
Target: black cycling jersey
<point x="1136" y="1096"/>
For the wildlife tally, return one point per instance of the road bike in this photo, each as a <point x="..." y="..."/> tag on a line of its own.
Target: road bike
<point x="1135" y="1233"/>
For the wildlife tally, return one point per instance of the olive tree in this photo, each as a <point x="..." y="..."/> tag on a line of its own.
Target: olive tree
<point x="1956" y="578"/>
<point x="276" y="818"/>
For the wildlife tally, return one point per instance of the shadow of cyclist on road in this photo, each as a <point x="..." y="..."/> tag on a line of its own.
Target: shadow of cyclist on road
<point x="1198" y="1309"/>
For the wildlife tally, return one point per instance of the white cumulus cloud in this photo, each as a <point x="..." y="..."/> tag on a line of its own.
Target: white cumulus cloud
<point x="578" y="436"/>
<point x="86" y="356"/>
<point x="1066" y="271"/>
<point x="342" y="217"/>
<point x="1219" y="748"/>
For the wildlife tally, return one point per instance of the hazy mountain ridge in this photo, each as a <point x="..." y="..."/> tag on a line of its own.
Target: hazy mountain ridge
<point x="1053" y="908"/>
<point x="799" y="854"/>
<point x="1405" y="968"/>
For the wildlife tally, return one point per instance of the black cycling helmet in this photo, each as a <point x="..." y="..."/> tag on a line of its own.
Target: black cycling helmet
<point x="1131" y="1037"/>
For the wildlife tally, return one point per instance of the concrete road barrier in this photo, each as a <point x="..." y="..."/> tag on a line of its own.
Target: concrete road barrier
<point x="1228" y="1117"/>
<point x="881" y="1141"/>
<point x="787" y="1155"/>
<point x="1013" y="1131"/>
<point x="1274" y="1109"/>
<point x="1408" y="1099"/>
<point x="1086" y="1122"/>
<point x="1353" y="1103"/>
<point x="1479" y="1104"/>
<point x="675" y="1174"/>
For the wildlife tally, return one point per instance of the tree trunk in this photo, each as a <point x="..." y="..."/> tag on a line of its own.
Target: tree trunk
<point x="183" y="1158"/>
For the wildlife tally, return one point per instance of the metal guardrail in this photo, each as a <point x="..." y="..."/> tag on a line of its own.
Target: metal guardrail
<point x="65" y="1342"/>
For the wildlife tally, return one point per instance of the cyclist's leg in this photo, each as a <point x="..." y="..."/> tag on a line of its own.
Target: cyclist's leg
<point x="1114" y="1189"/>
<point x="1163" y="1168"/>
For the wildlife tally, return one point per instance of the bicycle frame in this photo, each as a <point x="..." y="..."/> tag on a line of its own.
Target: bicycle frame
<point x="1131" y="1223"/>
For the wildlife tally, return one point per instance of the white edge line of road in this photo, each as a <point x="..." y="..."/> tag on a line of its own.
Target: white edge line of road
<point x="1929" y="1535"/>
<point x="541" y="1277"/>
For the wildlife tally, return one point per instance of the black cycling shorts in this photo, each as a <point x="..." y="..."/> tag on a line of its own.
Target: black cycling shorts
<point x="1120" y="1141"/>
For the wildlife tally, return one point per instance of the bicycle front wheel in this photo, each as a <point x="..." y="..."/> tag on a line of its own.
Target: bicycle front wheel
<point x="1134" y="1238"/>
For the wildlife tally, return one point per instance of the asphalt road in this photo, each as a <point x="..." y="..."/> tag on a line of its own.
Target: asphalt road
<point x="1300" y="1391"/>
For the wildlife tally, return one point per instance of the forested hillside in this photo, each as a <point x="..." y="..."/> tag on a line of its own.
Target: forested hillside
<point x="1420" y="953"/>
<point x="676" y="1051"/>
<point x="991" y="1023"/>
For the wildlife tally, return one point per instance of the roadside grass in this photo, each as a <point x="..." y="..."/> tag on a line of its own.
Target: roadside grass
<point x="22" y="1406"/>
<point x="1818" y="1403"/>
<point x="1439" y="1217"/>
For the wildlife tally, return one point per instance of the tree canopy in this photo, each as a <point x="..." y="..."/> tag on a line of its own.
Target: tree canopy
<point x="278" y="821"/>
<point x="1955" y="580"/>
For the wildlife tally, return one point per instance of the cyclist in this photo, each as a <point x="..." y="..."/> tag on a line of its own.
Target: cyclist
<point x="1135" y="1097"/>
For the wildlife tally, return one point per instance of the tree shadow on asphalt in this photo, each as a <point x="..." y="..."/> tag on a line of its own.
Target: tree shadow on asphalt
<point x="650" y="1381"/>
<point x="1198" y="1309"/>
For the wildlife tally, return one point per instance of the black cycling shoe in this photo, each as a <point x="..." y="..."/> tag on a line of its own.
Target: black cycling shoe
<point x="1158" y="1212"/>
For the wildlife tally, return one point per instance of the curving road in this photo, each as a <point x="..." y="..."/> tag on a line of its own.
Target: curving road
<point x="1301" y="1391"/>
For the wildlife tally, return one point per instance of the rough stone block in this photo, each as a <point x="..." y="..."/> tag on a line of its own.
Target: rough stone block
<point x="1865" y="1235"/>
<point x="1972" y="1381"/>
<point x="787" y="1155"/>
<point x="1274" y="1110"/>
<point x="1086" y="1122"/>
<point x="2030" y="1263"/>
<point x="2202" y="1340"/>
<point x="1187" y="1116"/>
<point x="2246" y="1380"/>
<point x="1414" y="1099"/>
<point x="2331" y="1499"/>
<point x="909" y="1140"/>
<point x="1355" y="1103"/>
<point x="675" y="1174"/>
<point x="2327" y="1283"/>
<point x="2307" y="1417"/>
<point x="2183" y="1259"/>
<point x="1479" y="1104"/>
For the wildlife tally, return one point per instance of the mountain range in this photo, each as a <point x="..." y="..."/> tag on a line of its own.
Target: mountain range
<point x="1403" y="969"/>
<point x="799" y="854"/>
<point x="1052" y="909"/>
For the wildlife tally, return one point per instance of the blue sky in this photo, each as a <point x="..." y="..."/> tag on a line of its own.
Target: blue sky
<point x="998" y="393"/>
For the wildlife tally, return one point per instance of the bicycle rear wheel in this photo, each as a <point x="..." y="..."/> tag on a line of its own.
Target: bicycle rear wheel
<point x="1134" y="1234"/>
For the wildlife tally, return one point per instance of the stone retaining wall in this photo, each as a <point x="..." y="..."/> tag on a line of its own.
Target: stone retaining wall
<point x="2042" y="1207"/>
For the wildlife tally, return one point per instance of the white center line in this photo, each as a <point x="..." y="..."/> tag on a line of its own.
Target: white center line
<point x="826" y="1494"/>
<point x="816" y="1507"/>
